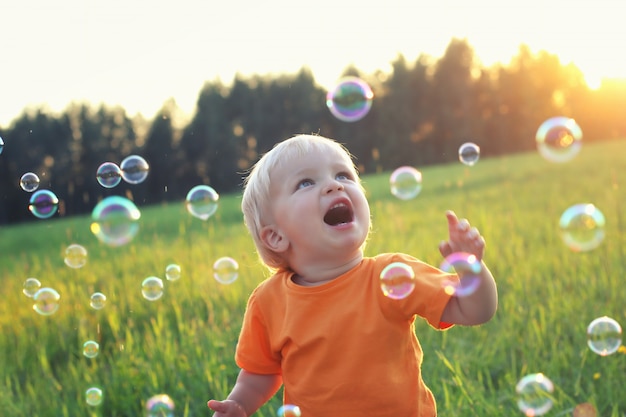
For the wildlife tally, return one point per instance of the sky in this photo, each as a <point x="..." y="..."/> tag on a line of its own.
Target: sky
<point x="140" y="53"/>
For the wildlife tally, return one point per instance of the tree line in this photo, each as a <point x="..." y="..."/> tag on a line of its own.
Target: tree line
<point x="422" y="112"/>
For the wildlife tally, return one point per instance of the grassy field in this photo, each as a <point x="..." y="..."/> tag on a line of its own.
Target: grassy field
<point x="183" y="344"/>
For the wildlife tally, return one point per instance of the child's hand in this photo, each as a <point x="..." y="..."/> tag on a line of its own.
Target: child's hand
<point x="226" y="408"/>
<point x="463" y="238"/>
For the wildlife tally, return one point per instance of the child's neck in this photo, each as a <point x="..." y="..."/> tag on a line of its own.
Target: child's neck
<point x="318" y="273"/>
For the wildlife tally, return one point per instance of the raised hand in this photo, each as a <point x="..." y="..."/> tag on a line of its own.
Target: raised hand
<point x="226" y="408"/>
<point x="462" y="238"/>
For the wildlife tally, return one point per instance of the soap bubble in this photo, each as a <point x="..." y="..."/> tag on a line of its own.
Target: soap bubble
<point x="134" y="169"/>
<point x="46" y="301"/>
<point x="160" y="405"/>
<point x="469" y="153"/>
<point x="1" y="145"/>
<point x="465" y="265"/>
<point x="93" y="396"/>
<point x="202" y="201"/>
<point x="43" y="204"/>
<point x="115" y="220"/>
<point x="152" y="288"/>
<point x="582" y="227"/>
<point x="91" y="349"/>
<point x="97" y="301"/>
<point x="559" y="139"/>
<point x="397" y="280"/>
<point x="534" y="394"/>
<point x="225" y="270"/>
<point x="29" y="182"/>
<point x="172" y="272"/>
<point x="75" y="256"/>
<point x="604" y="336"/>
<point x="109" y="174"/>
<point x="405" y="182"/>
<point x="289" y="410"/>
<point x="350" y="99"/>
<point x="31" y="286"/>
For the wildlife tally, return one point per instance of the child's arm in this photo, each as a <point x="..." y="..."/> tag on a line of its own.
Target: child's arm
<point x="250" y="392"/>
<point x="479" y="306"/>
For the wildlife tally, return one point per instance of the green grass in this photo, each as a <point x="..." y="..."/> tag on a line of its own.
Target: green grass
<point x="183" y="344"/>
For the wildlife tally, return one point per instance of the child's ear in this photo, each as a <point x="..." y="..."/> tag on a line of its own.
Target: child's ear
<point x="273" y="239"/>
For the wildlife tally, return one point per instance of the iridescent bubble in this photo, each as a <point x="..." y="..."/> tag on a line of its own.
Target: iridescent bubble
<point x="75" y="256"/>
<point x="29" y="182"/>
<point x="469" y="153"/>
<point x="1" y="145"/>
<point x="350" y="99"/>
<point x="152" y="288"/>
<point x="289" y="410"/>
<point x="582" y="227"/>
<point x="134" y="169"/>
<point x="109" y="174"/>
<point x="46" y="301"/>
<point x="397" y="280"/>
<point x="93" y="396"/>
<point x="405" y="182"/>
<point x="172" y="272"/>
<point x="202" y="201"/>
<point x="43" y="204"/>
<point x="160" y="405"/>
<point x="115" y="220"/>
<point x="97" y="301"/>
<point x="604" y="336"/>
<point x="559" y="139"/>
<point x="31" y="286"/>
<point x="534" y="394"/>
<point x="225" y="270"/>
<point x="91" y="349"/>
<point x="464" y="265"/>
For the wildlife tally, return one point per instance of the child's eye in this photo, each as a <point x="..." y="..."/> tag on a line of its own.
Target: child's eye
<point x="304" y="183"/>
<point x="344" y="176"/>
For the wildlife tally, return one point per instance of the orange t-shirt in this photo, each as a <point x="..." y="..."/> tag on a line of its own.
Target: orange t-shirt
<point x="343" y="348"/>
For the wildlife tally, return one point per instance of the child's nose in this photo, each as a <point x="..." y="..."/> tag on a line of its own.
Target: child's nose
<point x="334" y="185"/>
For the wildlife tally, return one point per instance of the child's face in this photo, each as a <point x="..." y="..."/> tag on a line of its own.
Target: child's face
<point x="319" y="207"/>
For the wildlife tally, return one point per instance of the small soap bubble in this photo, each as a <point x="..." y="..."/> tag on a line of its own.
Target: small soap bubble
<point x="465" y="265"/>
<point x="43" y="204"/>
<point x="559" y="139"/>
<point x="160" y="405"/>
<point x="134" y="169"/>
<point x="91" y="349"/>
<point x="405" y="182"/>
<point x="289" y="410"/>
<point x="350" y="99"/>
<point x="469" y="153"/>
<point x="1" y="145"/>
<point x="152" y="288"/>
<point x="46" y="301"/>
<point x="582" y="227"/>
<point x="75" y="256"/>
<point x="172" y="272"/>
<point x="93" y="396"/>
<point x="534" y="394"/>
<point x="109" y="174"/>
<point x="202" y="201"/>
<point x="31" y="286"/>
<point x="397" y="280"/>
<point x="225" y="270"/>
<point x="115" y="220"/>
<point x="97" y="301"/>
<point x="29" y="182"/>
<point x="604" y="336"/>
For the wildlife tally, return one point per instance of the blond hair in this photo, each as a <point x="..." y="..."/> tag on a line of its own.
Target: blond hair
<point x="256" y="194"/>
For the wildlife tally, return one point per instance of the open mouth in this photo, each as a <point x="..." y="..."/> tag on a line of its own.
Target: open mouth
<point x="339" y="213"/>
